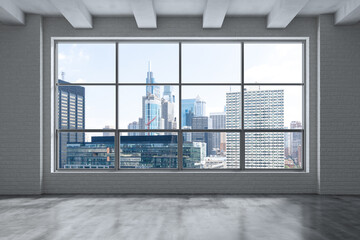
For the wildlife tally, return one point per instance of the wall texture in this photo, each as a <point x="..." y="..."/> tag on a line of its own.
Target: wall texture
<point x="180" y="182"/>
<point x="22" y="170"/>
<point x="340" y="109"/>
<point x="20" y="75"/>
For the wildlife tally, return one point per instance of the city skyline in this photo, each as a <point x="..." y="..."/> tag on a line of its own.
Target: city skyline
<point x="157" y="107"/>
<point x="81" y="63"/>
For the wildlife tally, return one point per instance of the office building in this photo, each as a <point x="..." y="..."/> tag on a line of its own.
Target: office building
<point x="264" y="109"/>
<point x="203" y="122"/>
<point x="71" y="110"/>
<point x="218" y="122"/>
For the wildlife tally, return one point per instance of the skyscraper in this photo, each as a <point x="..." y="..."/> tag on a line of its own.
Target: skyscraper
<point x="151" y="90"/>
<point x="190" y="108"/>
<point x="71" y="110"/>
<point x="151" y="104"/>
<point x="187" y="111"/>
<point x="233" y="121"/>
<point x="218" y="122"/>
<point x="200" y="107"/>
<point x="202" y="122"/>
<point x="295" y="143"/>
<point x="264" y="109"/>
<point x="158" y="112"/>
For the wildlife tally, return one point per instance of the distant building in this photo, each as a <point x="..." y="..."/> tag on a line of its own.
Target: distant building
<point x="71" y="110"/>
<point x="135" y="152"/>
<point x="218" y="122"/>
<point x="187" y="111"/>
<point x="133" y="126"/>
<point x="264" y="109"/>
<point x="200" y="107"/>
<point x="192" y="108"/>
<point x="157" y="112"/>
<point x="99" y="153"/>
<point x="202" y="122"/>
<point x="107" y="134"/>
<point x="295" y="143"/>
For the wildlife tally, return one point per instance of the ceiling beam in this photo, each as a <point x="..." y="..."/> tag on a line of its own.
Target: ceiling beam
<point x="348" y="13"/>
<point x="75" y="12"/>
<point x="144" y="13"/>
<point x="283" y="12"/>
<point x="214" y="13"/>
<point x="10" y="13"/>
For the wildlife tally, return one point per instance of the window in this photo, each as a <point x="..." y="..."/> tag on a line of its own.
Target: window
<point x="180" y="105"/>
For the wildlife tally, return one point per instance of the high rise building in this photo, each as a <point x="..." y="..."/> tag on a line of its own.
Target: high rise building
<point x="71" y="110"/>
<point x="192" y="108"/>
<point x="200" y="107"/>
<point x="218" y="122"/>
<point x="187" y="111"/>
<point x="151" y="89"/>
<point x="264" y="109"/>
<point x="158" y="112"/>
<point x="295" y="143"/>
<point x="203" y="122"/>
<point x="168" y="94"/>
<point x="233" y="121"/>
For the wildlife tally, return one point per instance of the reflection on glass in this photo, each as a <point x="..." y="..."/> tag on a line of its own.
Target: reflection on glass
<point x="148" y="107"/>
<point x="210" y="107"/>
<point x="86" y="150"/>
<point x="272" y="107"/>
<point x="90" y="107"/>
<point x="148" y="150"/>
<point x="211" y="150"/>
<point x="273" y="150"/>
<point x="211" y="62"/>
<point x="86" y="62"/>
<point x="273" y="62"/>
<point x="160" y="60"/>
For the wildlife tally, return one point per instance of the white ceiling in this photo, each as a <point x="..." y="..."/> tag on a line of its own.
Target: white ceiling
<point x="178" y="8"/>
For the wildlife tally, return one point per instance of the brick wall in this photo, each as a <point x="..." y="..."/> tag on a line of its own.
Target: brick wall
<point x="340" y="107"/>
<point x="181" y="182"/>
<point x="20" y="70"/>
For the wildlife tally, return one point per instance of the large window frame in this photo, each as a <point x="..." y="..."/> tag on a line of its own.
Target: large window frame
<point x="117" y="131"/>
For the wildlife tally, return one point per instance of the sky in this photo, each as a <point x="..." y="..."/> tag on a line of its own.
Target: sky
<point x="201" y="63"/>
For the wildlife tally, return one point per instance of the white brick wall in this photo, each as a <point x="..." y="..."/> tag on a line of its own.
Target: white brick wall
<point x="181" y="182"/>
<point x="340" y="107"/>
<point x="20" y="108"/>
<point x="20" y="74"/>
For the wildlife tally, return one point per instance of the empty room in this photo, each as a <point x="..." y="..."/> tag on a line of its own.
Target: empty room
<point x="180" y="119"/>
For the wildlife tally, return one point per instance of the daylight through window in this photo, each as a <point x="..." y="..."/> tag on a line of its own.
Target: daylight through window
<point x="180" y="105"/>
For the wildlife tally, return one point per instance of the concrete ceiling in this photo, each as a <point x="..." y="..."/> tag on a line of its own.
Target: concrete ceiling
<point x="278" y="12"/>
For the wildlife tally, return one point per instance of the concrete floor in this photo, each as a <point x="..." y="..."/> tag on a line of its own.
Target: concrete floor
<point x="180" y="217"/>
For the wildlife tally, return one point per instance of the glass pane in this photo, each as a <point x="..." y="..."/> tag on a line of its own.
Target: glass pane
<point x="149" y="62"/>
<point x="211" y="63"/>
<point x="210" y="107"/>
<point x="273" y="62"/>
<point x="148" y="150"/>
<point x="148" y="107"/>
<point x="273" y="107"/>
<point x="86" y="62"/>
<point x="273" y="150"/>
<point x="211" y="150"/>
<point x="86" y="150"/>
<point x="87" y="107"/>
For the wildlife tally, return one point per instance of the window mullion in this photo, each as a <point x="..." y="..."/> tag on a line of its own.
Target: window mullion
<point x="180" y="135"/>
<point x="242" y="134"/>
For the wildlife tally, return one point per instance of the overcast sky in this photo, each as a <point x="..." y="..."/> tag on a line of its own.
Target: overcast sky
<point x="201" y="63"/>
